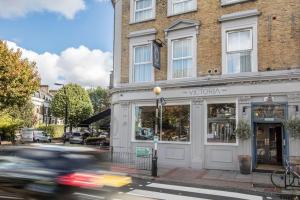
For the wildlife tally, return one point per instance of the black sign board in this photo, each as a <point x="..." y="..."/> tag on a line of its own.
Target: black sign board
<point x="156" y="54"/>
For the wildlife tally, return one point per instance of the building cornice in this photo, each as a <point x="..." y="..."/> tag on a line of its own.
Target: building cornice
<point x="239" y="15"/>
<point x="233" y="79"/>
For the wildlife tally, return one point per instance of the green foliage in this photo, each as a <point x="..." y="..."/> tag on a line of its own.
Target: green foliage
<point x="99" y="98"/>
<point x="94" y="140"/>
<point x="18" y="78"/>
<point x="24" y="113"/>
<point x="56" y="131"/>
<point x="243" y="130"/>
<point x="9" y="125"/>
<point x="293" y="126"/>
<point x="78" y="101"/>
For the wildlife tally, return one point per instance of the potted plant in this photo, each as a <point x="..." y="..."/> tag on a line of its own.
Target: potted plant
<point x="293" y="127"/>
<point x="242" y="132"/>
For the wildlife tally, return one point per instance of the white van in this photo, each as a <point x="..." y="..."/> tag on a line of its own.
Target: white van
<point x="32" y="135"/>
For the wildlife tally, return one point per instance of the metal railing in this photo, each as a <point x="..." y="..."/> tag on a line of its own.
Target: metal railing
<point x="122" y="157"/>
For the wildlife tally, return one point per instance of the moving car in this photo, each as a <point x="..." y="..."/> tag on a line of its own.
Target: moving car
<point x="41" y="136"/>
<point x="76" y="138"/>
<point x="55" y="172"/>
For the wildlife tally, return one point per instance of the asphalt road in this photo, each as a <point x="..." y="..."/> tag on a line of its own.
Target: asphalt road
<point x="143" y="190"/>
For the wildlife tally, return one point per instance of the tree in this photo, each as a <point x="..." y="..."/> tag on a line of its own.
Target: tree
<point x="99" y="98"/>
<point x="19" y="78"/>
<point x="78" y="101"/>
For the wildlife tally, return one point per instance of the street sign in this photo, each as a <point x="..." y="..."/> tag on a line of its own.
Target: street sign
<point x="142" y="151"/>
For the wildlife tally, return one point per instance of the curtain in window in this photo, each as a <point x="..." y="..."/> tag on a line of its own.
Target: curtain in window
<point x="239" y="49"/>
<point x="180" y="6"/>
<point x="182" y="58"/>
<point x="142" y="64"/>
<point x="143" y="10"/>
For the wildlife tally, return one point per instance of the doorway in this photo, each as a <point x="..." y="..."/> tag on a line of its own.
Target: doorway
<point x="269" y="144"/>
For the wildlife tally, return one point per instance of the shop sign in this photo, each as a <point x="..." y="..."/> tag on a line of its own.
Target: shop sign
<point x="206" y="92"/>
<point x="142" y="151"/>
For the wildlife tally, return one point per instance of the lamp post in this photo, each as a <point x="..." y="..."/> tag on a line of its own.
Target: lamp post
<point x="66" y="105"/>
<point x="156" y="91"/>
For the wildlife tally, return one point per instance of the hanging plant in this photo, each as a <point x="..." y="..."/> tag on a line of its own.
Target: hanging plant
<point x="243" y="130"/>
<point x="293" y="126"/>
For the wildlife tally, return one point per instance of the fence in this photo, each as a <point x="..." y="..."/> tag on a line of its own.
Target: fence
<point x="124" y="158"/>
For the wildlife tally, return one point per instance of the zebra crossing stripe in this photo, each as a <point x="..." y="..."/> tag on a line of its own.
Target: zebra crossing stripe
<point x="160" y="195"/>
<point x="206" y="191"/>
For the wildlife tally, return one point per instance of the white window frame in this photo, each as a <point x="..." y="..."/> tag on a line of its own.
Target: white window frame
<point x="133" y="11"/>
<point x="238" y="25"/>
<point x="171" y="7"/>
<point x="132" y="61"/>
<point x="230" y="2"/>
<point x="219" y="101"/>
<point x="193" y="37"/>
<point x="174" y="103"/>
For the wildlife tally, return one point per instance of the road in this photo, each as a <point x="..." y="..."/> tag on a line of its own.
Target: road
<point x="146" y="190"/>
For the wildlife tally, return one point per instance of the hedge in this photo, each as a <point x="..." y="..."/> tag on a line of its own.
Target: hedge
<point x="56" y="131"/>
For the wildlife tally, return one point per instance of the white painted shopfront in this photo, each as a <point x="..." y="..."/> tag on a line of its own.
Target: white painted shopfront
<point x="200" y="116"/>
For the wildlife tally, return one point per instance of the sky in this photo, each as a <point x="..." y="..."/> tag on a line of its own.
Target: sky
<point x="70" y="40"/>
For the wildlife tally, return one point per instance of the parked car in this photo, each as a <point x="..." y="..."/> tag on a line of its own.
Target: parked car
<point x="55" y="172"/>
<point x="76" y="138"/>
<point x="41" y="136"/>
<point x="66" y="136"/>
<point x="33" y="135"/>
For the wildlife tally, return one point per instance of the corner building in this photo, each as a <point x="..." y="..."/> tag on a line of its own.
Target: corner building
<point x="221" y="61"/>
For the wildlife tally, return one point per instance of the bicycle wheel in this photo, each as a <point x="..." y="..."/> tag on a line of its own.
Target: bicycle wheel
<point x="282" y="179"/>
<point x="278" y="179"/>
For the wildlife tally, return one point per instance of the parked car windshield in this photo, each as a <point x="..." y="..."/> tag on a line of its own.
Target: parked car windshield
<point x="76" y="134"/>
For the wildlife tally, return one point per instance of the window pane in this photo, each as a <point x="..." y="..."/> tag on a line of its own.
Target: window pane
<point x="182" y="6"/>
<point x="144" y="122"/>
<point x="182" y="58"/>
<point x="221" y="120"/>
<point x="239" y="62"/>
<point x="176" y="123"/>
<point x="142" y="64"/>
<point x="143" y="10"/>
<point x="239" y="40"/>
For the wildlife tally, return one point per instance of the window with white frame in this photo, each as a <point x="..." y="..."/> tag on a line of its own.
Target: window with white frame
<point x="142" y="63"/>
<point x="174" y="123"/>
<point x="182" y="57"/>
<point x="181" y="6"/>
<point x="239" y="51"/>
<point x="221" y="123"/>
<point x="143" y="10"/>
<point x="229" y="2"/>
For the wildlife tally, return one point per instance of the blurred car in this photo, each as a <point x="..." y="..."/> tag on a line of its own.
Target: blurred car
<point x="41" y="136"/>
<point x="56" y="172"/>
<point x="66" y="136"/>
<point x="76" y="138"/>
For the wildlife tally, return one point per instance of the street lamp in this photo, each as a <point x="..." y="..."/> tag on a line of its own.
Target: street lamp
<point x="156" y="91"/>
<point x="66" y="105"/>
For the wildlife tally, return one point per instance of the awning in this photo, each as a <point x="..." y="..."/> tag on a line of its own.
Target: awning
<point x="95" y="118"/>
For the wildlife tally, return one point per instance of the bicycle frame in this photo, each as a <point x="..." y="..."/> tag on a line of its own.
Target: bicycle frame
<point x="289" y="170"/>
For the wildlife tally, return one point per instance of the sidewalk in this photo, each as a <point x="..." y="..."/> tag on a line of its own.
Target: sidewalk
<point x="255" y="181"/>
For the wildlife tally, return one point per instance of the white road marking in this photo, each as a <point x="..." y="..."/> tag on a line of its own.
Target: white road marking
<point x="8" y="197"/>
<point x="88" y="196"/>
<point x="159" y="195"/>
<point x="205" y="191"/>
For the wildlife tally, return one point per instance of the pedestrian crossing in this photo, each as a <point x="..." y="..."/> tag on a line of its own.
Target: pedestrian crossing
<point x="176" y="192"/>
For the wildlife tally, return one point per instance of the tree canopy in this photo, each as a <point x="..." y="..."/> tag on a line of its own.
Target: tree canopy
<point x="99" y="98"/>
<point x="19" y="78"/>
<point x="78" y="101"/>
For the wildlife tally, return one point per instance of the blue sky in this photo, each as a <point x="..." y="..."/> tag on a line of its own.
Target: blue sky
<point x="61" y="28"/>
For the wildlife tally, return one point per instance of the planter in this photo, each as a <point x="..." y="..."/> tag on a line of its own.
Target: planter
<point x="245" y="164"/>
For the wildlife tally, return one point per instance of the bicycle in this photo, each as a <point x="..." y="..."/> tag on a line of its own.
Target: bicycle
<point x="287" y="177"/>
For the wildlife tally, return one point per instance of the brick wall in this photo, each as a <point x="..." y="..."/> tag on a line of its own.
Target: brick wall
<point x="277" y="50"/>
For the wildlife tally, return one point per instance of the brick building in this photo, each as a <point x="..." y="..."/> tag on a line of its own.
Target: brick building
<point x="220" y="61"/>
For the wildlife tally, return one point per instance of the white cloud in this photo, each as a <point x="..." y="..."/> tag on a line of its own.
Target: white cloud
<point x="20" y="8"/>
<point x="77" y="65"/>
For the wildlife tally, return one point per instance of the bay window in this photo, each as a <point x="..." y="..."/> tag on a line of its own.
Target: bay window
<point x="174" y="125"/>
<point x="182" y="58"/>
<point x="143" y="10"/>
<point x="142" y="63"/>
<point x="239" y="51"/>
<point x="221" y="123"/>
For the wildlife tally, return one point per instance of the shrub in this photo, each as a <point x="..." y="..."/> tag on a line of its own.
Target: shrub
<point x="56" y="131"/>
<point x="94" y="140"/>
<point x="293" y="126"/>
